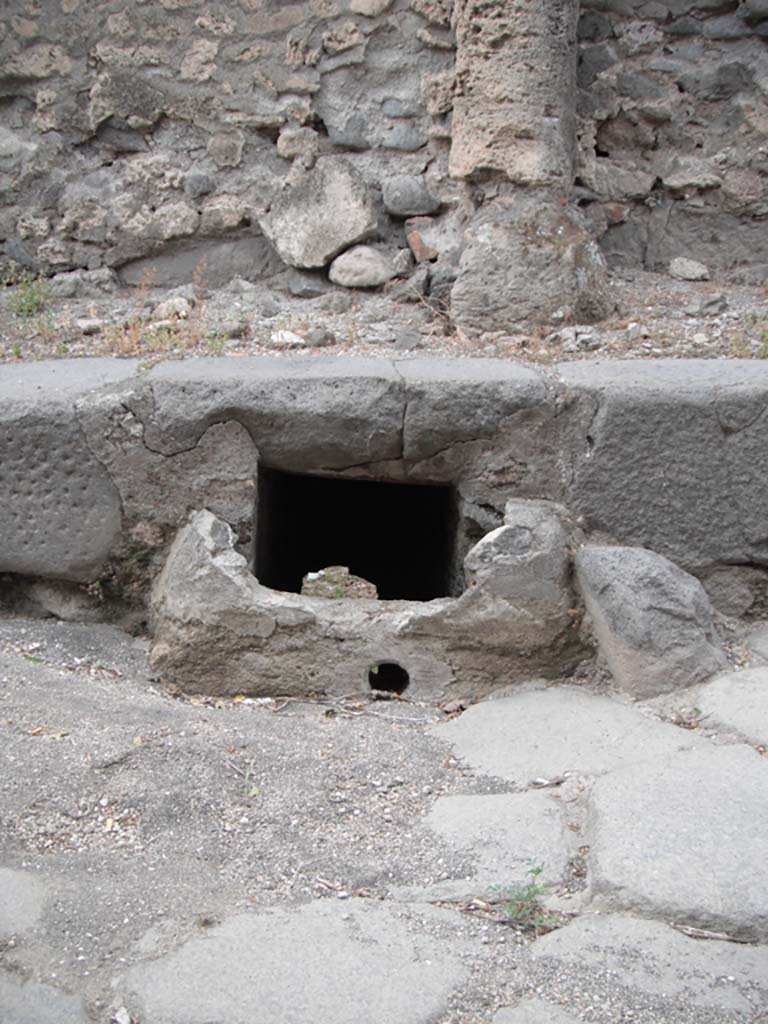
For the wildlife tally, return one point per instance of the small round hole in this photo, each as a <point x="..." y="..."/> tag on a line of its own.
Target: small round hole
<point x="388" y="676"/>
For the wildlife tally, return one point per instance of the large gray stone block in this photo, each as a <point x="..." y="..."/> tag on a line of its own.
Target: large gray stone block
<point x="671" y="455"/>
<point x="22" y="897"/>
<point x="683" y="839"/>
<point x="652" y="621"/>
<point x="60" y="513"/>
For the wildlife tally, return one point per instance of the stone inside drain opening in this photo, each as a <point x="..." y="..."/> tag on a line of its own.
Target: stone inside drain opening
<point x="400" y="537"/>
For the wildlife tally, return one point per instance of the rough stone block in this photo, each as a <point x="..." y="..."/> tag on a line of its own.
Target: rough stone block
<point x="671" y="455"/>
<point x="319" y="214"/>
<point x="527" y="259"/>
<point x="514" y="109"/>
<point x="652" y="621"/>
<point x="60" y="513"/>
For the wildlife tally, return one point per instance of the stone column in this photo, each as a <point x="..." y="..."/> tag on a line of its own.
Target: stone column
<point x="516" y="90"/>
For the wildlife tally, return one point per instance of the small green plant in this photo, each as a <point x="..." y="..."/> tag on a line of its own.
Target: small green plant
<point x="29" y="293"/>
<point x="521" y="904"/>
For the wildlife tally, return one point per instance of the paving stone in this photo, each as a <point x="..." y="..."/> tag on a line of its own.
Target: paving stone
<point x="654" y="958"/>
<point x="737" y="701"/>
<point x="505" y="834"/>
<point x="22" y="897"/>
<point x="684" y="838"/>
<point x="544" y="733"/>
<point x="533" y="1011"/>
<point x="30" y="1003"/>
<point x="327" y="962"/>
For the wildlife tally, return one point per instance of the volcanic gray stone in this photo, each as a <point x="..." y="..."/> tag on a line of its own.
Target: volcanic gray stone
<point x="22" y="897"/>
<point x="29" y="1003"/>
<point x="542" y="734"/>
<point x="526" y="561"/>
<point x="683" y="838"/>
<point x="361" y="267"/>
<point x="303" y="413"/>
<point x="453" y="401"/>
<point x="671" y="455"/>
<point x="327" y="962"/>
<point x="60" y="513"/>
<point x="533" y="1011"/>
<point x="652" y="620"/>
<point x="320" y="213"/>
<point x="503" y="834"/>
<point x="525" y="259"/>
<point x="407" y="195"/>
<point x="651" y="957"/>
<point x="737" y="701"/>
<point x="688" y="270"/>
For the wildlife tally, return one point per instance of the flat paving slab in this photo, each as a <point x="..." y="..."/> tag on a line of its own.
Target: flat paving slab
<point x="504" y="835"/>
<point x="737" y="701"/>
<point x="541" y="734"/>
<point x="534" y="1011"/>
<point x="658" y="960"/>
<point x="324" y="963"/>
<point x="26" y="1002"/>
<point x="685" y="839"/>
<point x="22" y="898"/>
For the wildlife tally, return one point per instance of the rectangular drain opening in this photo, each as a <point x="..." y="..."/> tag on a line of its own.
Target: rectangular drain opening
<point x="400" y="537"/>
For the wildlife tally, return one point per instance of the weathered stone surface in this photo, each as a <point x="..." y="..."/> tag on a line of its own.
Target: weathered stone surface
<point x="737" y="702"/>
<point x="30" y="1003"/>
<point x="218" y="471"/>
<point x="406" y="195"/>
<point x="533" y="1011"/>
<point x="362" y="267"/>
<point x="217" y="629"/>
<point x="503" y="834"/>
<point x="526" y="561"/>
<point x="651" y="957"/>
<point x="542" y="734"/>
<point x="652" y="621"/>
<point x="22" y="897"/>
<point x="59" y="512"/>
<point x="306" y="413"/>
<point x="322" y="963"/>
<point x="527" y="258"/>
<point x="698" y="819"/>
<point x="463" y="400"/>
<point x="514" y="109"/>
<point x="671" y="455"/>
<point x="688" y="270"/>
<point x="217" y="261"/>
<point x="320" y="213"/>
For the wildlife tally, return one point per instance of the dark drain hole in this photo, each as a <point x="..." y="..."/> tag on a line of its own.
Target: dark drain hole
<point x="388" y="676"/>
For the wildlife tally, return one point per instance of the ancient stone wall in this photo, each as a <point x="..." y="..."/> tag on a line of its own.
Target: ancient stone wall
<point x="164" y="133"/>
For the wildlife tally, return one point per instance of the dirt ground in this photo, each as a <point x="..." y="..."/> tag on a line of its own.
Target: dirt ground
<point x="655" y="316"/>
